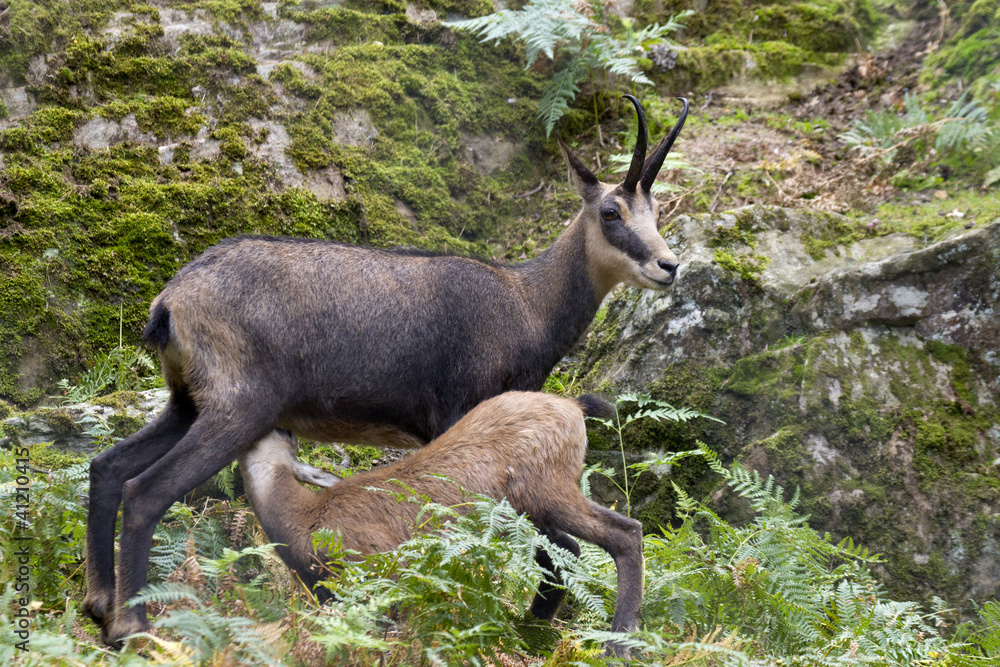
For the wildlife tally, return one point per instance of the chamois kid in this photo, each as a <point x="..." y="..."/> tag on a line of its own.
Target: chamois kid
<point x="351" y="344"/>
<point x="523" y="446"/>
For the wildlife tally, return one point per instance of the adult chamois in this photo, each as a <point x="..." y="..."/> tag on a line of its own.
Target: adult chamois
<point x="523" y="446"/>
<point x="337" y="342"/>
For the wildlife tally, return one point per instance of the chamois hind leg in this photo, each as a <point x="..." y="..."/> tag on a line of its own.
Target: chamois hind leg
<point x="621" y="537"/>
<point x="109" y="471"/>
<point x="550" y="592"/>
<point x="215" y="439"/>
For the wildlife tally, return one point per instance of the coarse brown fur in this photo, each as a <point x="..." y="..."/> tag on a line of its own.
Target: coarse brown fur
<point x="526" y="447"/>
<point x="337" y="342"/>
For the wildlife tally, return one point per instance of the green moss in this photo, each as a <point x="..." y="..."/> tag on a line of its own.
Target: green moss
<point x="761" y="40"/>
<point x="971" y="53"/>
<point x="761" y="374"/>
<point x="969" y="58"/>
<point x="235" y="12"/>
<point x="786" y="450"/>
<point x="46" y="457"/>
<point x="688" y="384"/>
<point x="164" y="116"/>
<point x="45" y="126"/>
<point x="957" y="358"/>
<point x="92" y="232"/>
<point x="817" y="26"/>
<point x="231" y="144"/>
<point x="946" y="436"/>
<point x="826" y="25"/>
<point x="982" y="14"/>
<point x="833" y="231"/>
<point x="747" y="266"/>
<point x="916" y="579"/>
<point x="58" y="420"/>
<point x="363" y="458"/>
<point x="295" y="82"/>
<point x="726" y="240"/>
<point x="119" y="400"/>
<point x="123" y="425"/>
<point x="37" y="27"/>
<point x="744" y="231"/>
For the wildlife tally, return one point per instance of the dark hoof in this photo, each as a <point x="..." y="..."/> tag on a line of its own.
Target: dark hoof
<point x="96" y="609"/>
<point x="615" y="650"/>
<point x="114" y="633"/>
<point x="538" y="634"/>
<point x="106" y="640"/>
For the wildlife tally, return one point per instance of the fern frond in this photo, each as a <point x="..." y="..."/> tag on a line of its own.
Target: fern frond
<point x="558" y="94"/>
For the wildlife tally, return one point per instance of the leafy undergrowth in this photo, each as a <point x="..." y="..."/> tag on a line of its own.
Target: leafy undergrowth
<point x="769" y="592"/>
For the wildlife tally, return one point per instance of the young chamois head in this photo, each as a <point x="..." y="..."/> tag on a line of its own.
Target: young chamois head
<point x="623" y="243"/>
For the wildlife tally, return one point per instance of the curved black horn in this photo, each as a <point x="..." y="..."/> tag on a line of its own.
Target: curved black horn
<point x="656" y="159"/>
<point x="639" y="154"/>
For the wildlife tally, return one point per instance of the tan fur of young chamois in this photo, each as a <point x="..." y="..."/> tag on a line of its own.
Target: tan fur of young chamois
<point x="523" y="446"/>
<point x="352" y="344"/>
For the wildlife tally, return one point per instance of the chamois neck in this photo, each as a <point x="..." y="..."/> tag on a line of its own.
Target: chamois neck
<point x="559" y="288"/>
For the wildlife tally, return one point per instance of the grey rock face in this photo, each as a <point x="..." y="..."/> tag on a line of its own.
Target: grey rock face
<point x="19" y="101"/>
<point x="487" y="153"/>
<point x="868" y="374"/>
<point x="353" y="128"/>
<point x="100" y="133"/>
<point x="66" y="426"/>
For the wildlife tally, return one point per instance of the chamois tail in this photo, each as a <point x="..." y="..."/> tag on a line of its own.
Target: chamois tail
<point x="595" y="406"/>
<point x="157" y="330"/>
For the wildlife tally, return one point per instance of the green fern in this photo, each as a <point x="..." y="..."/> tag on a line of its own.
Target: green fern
<point x="674" y="161"/>
<point x="577" y="36"/>
<point x="964" y="127"/>
<point x="967" y="127"/>
<point x="126" y="367"/>
<point x="559" y="93"/>
<point x="208" y="637"/>
<point x="647" y="408"/>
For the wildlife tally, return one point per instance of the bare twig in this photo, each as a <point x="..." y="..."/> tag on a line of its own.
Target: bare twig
<point x="718" y="192"/>
<point x="525" y="195"/>
<point x="782" y="193"/>
<point x="704" y="106"/>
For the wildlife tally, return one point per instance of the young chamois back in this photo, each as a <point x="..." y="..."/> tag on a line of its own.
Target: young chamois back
<point x="526" y="447"/>
<point x="350" y="344"/>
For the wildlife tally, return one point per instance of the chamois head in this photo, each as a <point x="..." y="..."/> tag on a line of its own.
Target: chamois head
<point x="621" y="220"/>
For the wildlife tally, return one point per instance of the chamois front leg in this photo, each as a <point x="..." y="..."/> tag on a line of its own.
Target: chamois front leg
<point x="550" y="590"/>
<point x="213" y="441"/>
<point x="109" y="471"/>
<point x="621" y="537"/>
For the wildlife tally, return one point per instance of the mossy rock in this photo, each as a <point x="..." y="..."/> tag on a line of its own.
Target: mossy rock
<point x="46" y="457"/>
<point x="972" y="51"/>
<point x="832" y="373"/>
<point x="92" y="227"/>
<point x="758" y="41"/>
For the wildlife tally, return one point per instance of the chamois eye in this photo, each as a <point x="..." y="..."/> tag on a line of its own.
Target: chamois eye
<point x="609" y="214"/>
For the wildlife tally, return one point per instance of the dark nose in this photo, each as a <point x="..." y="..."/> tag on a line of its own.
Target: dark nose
<point x="668" y="266"/>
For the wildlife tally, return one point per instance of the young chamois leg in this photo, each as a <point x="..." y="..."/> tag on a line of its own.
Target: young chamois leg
<point x="621" y="537"/>
<point x="108" y="473"/>
<point x="550" y="592"/>
<point x="214" y="440"/>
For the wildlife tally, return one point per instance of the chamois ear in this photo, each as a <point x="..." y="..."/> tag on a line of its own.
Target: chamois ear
<point x="310" y="475"/>
<point x="586" y="183"/>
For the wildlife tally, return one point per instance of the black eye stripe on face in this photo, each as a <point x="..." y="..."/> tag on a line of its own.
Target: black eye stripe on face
<point x="622" y="237"/>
